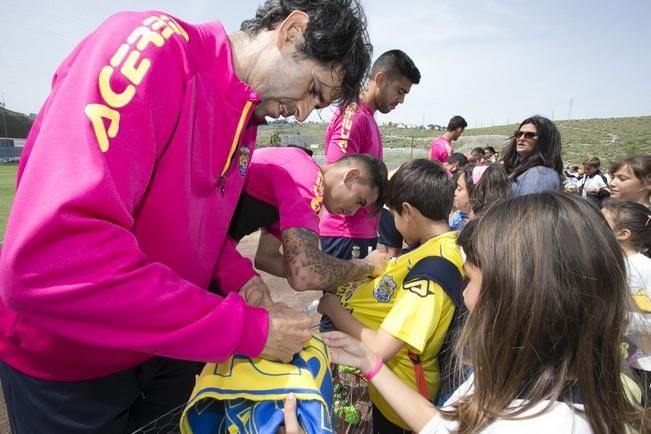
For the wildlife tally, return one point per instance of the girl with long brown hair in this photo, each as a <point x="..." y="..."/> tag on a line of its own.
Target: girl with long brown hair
<point x="548" y="301"/>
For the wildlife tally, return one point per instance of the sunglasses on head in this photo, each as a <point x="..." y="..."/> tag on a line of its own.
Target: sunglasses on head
<point x="526" y="134"/>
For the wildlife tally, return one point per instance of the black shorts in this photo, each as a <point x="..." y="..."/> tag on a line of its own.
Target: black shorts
<point x="115" y="404"/>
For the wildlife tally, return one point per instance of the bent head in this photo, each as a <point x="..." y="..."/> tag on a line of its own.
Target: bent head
<point x="456" y="127"/>
<point x="353" y="182"/>
<point x="316" y="52"/>
<point x="392" y="76"/>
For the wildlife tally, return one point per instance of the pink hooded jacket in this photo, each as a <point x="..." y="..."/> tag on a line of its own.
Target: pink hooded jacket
<point x="127" y="184"/>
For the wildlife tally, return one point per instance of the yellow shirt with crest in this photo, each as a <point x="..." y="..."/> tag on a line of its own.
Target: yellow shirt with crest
<point x="419" y="314"/>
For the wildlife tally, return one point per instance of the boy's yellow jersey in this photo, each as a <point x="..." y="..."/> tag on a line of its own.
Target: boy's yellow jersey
<point x="418" y="313"/>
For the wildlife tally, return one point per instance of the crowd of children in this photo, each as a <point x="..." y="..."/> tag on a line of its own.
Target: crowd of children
<point x="558" y="294"/>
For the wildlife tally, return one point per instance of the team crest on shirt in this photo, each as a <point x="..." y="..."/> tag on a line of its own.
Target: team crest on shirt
<point x="420" y="287"/>
<point x="384" y="289"/>
<point x="243" y="159"/>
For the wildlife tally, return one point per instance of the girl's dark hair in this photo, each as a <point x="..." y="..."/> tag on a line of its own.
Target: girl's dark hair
<point x="634" y="217"/>
<point x="549" y="316"/>
<point x="425" y="185"/>
<point x="547" y="152"/>
<point x="336" y="36"/>
<point x="494" y="185"/>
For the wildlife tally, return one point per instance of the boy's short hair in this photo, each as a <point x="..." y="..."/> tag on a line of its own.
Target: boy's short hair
<point x="425" y="185"/>
<point x="592" y="161"/>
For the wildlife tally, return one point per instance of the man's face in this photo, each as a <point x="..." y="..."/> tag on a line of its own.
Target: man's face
<point x="296" y="88"/>
<point x="391" y="93"/>
<point x="457" y="133"/>
<point x="348" y="195"/>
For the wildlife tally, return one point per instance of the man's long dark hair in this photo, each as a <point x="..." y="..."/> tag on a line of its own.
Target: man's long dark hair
<point x="336" y="36"/>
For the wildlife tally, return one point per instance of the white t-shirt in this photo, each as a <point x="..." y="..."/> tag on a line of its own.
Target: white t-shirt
<point x="638" y="268"/>
<point x="559" y="418"/>
<point x="596" y="181"/>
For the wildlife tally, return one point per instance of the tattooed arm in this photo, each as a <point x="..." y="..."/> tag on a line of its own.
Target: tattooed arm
<point x="307" y="267"/>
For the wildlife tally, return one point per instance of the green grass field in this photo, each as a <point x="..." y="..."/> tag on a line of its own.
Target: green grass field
<point x="7" y="190"/>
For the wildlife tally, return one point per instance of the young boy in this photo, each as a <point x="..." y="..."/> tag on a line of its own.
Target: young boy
<point x="405" y="313"/>
<point x="594" y="185"/>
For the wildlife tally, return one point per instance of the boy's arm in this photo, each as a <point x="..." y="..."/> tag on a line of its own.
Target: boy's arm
<point x="381" y="342"/>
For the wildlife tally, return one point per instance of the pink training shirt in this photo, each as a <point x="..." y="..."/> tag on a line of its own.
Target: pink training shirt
<point x="127" y="184"/>
<point x="440" y="149"/>
<point x="289" y="180"/>
<point x="352" y="132"/>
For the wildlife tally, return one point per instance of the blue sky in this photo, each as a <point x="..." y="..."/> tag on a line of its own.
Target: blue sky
<point x="492" y="61"/>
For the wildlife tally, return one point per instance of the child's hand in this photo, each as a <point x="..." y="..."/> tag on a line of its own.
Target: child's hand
<point x="346" y="350"/>
<point x="291" y="421"/>
<point x="326" y="303"/>
<point x="378" y="260"/>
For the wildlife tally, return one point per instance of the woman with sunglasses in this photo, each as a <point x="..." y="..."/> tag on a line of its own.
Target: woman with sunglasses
<point x="532" y="158"/>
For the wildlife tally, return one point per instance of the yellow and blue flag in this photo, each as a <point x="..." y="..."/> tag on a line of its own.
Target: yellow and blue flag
<point x="246" y="395"/>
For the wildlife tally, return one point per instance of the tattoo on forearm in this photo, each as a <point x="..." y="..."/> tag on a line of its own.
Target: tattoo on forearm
<point x="306" y="261"/>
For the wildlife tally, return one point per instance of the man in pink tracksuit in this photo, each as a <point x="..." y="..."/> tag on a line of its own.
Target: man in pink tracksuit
<point x="127" y="184"/>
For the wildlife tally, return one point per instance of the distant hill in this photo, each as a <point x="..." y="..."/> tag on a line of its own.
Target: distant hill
<point x="14" y="124"/>
<point x="609" y="139"/>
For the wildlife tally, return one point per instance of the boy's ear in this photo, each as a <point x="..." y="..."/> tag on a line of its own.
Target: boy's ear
<point x="407" y="210"/>
<point x="290" y="31"/>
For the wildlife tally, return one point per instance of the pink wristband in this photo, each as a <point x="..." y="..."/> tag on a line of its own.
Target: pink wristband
<point x="375" y="369"/>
